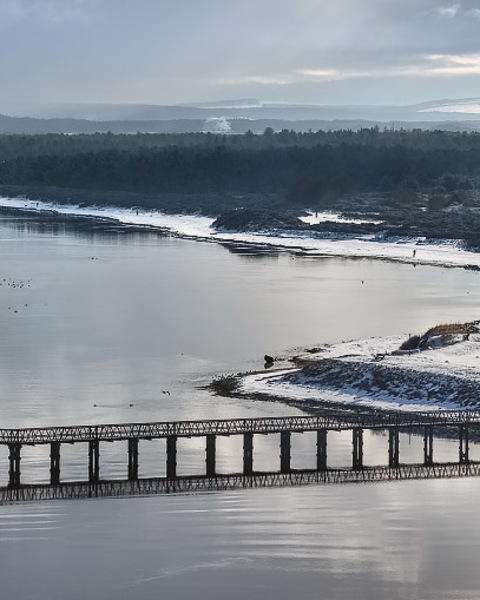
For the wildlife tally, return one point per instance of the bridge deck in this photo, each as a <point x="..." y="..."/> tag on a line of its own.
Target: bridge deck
<point x="147" y="431"/>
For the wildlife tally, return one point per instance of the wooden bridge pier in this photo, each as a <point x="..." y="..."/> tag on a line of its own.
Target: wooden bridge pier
<point x="248" y="453"/>
<point x="393" y="448"/>
<point x="93" y="461"/>
<point x="285" y="451"/>
<point x="210" y="458"/>
<point x="322" y="449"/>
<point x="14" y="460"/>
<point x="54" y="463"/>
<point x="171" y="456"/>
<point x="464" y="445"/>
<point x="132" y="459"/>
<point x="357" y="452"/>
<point x="428" y="446"/>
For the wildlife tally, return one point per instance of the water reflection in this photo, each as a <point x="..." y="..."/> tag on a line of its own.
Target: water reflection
<point x="153" y="313"/>
<point x="337" y="542"/>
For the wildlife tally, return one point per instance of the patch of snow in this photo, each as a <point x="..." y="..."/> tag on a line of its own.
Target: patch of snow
<point x="313" y="218"/>
<point x="454" y="108"/>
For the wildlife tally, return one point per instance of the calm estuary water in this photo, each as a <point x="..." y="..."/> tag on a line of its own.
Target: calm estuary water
<point x="95" y="328"/>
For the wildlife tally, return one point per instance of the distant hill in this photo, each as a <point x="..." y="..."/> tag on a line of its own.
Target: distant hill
<point x="251" y="108"/>
<point x="32" y="126"/>
<point x="237" y="116"/>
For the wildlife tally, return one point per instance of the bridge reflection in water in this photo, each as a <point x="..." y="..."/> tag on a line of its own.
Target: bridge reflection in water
<point x="459" y="423"/>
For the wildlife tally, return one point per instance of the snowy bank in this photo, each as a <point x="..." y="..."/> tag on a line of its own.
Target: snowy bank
<point x="449" y="253"/>
<point x="369" y="373"/>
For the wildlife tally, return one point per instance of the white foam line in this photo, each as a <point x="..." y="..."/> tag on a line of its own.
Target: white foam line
<point x="416" y="251"/>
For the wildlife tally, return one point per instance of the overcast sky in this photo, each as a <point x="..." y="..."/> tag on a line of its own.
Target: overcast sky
<point x="176" y="51"/>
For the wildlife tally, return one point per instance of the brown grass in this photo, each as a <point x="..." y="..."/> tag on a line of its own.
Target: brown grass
<point x="447" y="330"/>
<point x="452" y="329"/>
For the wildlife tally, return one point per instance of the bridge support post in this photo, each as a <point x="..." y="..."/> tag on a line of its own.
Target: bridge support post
<point x="210" y="459"/>
<point x="285" y="451"/>
<point x="248" y="453"/>
<point x="14" y="460"/>
<point x="172" y="456"/>
<point x="322" y="450"/>
<point x="357" y="453"/>
<point x="428" y="446"/>
<point x="132" y="459"/>
<point x="393" y="448"/>
<point x="93" y="461"/>
<point x="54" y="463"/>
<point x="463" y="448"/>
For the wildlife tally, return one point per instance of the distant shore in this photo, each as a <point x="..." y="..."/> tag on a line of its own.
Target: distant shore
<point x="415" y="251"/>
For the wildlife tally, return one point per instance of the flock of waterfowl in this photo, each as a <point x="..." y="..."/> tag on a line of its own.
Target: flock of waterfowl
<point x="15" y="284"/>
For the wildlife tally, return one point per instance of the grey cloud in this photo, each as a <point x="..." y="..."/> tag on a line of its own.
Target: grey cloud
<point x="165" y="51"/>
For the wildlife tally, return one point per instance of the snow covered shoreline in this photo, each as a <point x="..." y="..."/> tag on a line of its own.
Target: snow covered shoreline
<point x="448" y="253"/>
<point x="369" y="373"/>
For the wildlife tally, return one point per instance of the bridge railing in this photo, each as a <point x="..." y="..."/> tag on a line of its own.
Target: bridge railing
<point x="262" y="425"/>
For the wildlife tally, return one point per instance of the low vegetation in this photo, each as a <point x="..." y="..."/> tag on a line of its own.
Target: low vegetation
<point x="224" y="385"/>
<point x="441" y="335"/>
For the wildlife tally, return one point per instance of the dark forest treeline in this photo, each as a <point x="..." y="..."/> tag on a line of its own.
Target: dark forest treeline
<point x="302" y="167"/>
<point x="12" y="146"/>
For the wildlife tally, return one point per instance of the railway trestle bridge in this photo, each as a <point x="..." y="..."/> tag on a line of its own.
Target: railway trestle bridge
<point x="459" y="423"/>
